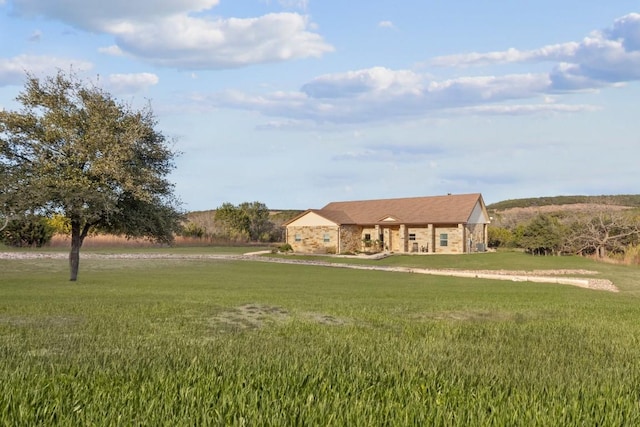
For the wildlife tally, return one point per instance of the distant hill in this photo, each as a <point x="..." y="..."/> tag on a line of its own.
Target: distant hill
<point x="509" y="213"/>
<point x="626" y="200"/>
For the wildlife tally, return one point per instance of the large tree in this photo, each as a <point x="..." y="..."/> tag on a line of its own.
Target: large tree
<point x="604" y="232"/>
<point x="246" y="219"/>
<point x="543" y="235"/>
<point x="75" y="151"/>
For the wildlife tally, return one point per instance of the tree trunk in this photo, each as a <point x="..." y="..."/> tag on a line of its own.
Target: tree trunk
<point x="74" y="255"/>
<point x="78" y="234"/>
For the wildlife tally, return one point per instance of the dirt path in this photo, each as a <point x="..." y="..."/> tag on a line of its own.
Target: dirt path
<point x="563" y="277"/>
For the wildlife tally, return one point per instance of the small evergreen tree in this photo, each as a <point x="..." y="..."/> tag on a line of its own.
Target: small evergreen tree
<point x="543" y="235"/>
<point x="28" y="231"/>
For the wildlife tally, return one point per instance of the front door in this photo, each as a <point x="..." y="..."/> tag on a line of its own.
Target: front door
<point x="391" y="239"/>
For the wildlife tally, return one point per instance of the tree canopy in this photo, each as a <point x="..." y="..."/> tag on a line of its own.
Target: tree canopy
<point x="75" y="151"/>
<point x="246" y="219"/>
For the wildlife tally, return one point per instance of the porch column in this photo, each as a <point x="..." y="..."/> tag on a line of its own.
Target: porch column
<point x="486" y="236"/>
<point x="403" y="238"/>
<point x="432" y="239"/>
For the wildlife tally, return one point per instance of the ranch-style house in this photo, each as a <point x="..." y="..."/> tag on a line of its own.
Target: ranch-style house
<point x="437" y="224"/>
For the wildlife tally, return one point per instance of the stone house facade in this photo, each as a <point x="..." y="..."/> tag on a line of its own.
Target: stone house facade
<point x="439" y="224"/>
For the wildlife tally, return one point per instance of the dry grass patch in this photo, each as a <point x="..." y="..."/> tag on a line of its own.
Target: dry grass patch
<point x="250" y="316"/>
<point x="255" y="316"/>
<point x="326" y="319"/>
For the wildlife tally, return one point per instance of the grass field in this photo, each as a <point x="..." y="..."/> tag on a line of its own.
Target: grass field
<point x="202" y="342"/>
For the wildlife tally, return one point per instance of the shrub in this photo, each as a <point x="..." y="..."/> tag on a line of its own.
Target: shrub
<point x="285" y="248"/>
<point x="27" y="232"/>
<point x="193" y="230"/>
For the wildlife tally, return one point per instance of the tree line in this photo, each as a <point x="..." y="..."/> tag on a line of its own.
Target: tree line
<point x="599" y="233"/>
<point x="242" y="223"/>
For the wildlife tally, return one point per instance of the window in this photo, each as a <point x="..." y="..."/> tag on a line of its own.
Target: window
<point x="412" y="236"/>
<point x="298" y="238"/>
<point x="326" y="238"/>
<point x="444" y="239"/>
<point x="367" y="237"/>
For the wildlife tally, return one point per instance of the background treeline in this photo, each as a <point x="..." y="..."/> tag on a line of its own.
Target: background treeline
<point x="249" y="222"/>
<point x="627" y="200"/>
<point x="605" y="227"/>
<point x="243" y="223"/>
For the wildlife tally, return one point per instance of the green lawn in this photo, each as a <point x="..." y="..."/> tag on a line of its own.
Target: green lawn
<point x="197" y="342"/>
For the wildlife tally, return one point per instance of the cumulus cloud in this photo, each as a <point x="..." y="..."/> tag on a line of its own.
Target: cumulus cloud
<point x="192" y="43"/>
<point x="182" y="34"/>
<point x="380" y="94"/>
<point x="373" y="80"/>
<point x="604" y="58"/>
<point x="13" y="70"/>
<point x="131" y="83"/>
<point x="626" y="29"/>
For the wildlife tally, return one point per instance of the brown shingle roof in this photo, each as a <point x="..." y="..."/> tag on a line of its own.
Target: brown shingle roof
<point x="413" y="210"/>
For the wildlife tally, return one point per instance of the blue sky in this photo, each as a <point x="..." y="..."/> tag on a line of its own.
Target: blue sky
<point x="296" y="103"/>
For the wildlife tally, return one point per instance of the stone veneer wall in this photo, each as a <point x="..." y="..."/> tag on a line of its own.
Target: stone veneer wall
<point x="455" y="240"/>
<point x="476" y="234"/>
<point x="350" y="238"/>
<point x="312" y="239"/>
<point x="423" y="239"/>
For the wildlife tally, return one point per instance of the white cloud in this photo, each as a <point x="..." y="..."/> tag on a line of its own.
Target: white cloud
<point x="293" y="4"/>
<point x="372" y="80"/>
<point x="96" y="15"/>
<point x="113" y="50"/>
<point x="379" y="94"/>
<point x="131" y="83"/>
<point x="600" y="59"/>
<point x="167" y="33"/>
<point x="626" y="29"/>
<point x="290" y="4"/>
<point x="547" y="53"/>
<point x="13" y="70"/>
<point x="386" y="24"/>
<point x="189" y="43"/>
<point x="526" y="109"/>
<point x="604" y="58"/>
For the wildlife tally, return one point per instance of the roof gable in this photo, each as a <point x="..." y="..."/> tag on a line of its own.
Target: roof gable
<point x="311" y="217"/>
<point x="458" y="209"/>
